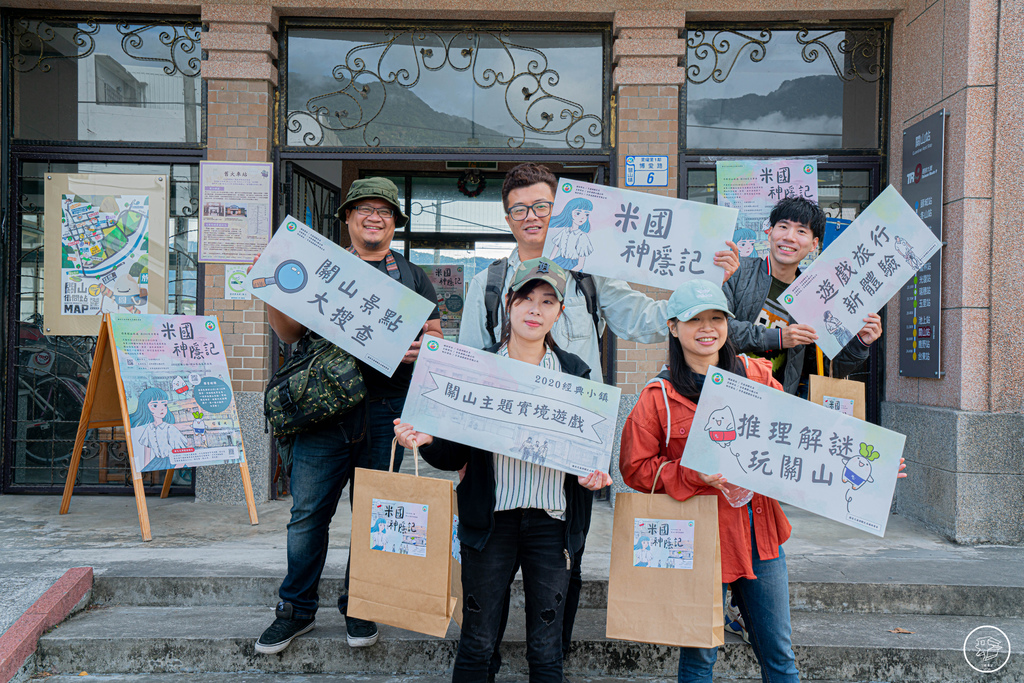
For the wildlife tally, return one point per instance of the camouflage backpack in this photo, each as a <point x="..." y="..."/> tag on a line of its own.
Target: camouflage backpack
<point x="318" y="382"/>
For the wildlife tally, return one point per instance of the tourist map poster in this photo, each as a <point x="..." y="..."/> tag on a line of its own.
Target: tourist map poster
<point x="178" y="391"/>
<point x="338" y="296"/>
<point x="635" y="236"/>
<point x="105" y="244"/>
<point x="754" y="187"/>
<point x="234" y="210"/>
<point x="861" y="270"/>
<point x="794" y="451"/>
<point x="506" y="406"/>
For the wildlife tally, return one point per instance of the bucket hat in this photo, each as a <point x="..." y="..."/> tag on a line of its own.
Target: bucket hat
<point x="379" y="188"/>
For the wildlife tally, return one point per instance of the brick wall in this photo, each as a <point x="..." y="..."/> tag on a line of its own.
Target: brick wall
<point x="648" y="53"/>
<point x="240" y="79"/>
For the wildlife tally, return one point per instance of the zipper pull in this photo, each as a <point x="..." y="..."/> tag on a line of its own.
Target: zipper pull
<point x="568" y="560"/>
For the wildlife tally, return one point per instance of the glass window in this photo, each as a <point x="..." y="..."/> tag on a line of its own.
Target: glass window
<point x="51" y="372"/>
<point x="439" y="206"/>
<point x="785" y="89"/>
<point x="417" y="87"/>
<point x="90" y="80"/>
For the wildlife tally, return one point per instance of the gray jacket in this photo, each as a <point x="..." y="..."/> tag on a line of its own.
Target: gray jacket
<point x="746" y="291"/>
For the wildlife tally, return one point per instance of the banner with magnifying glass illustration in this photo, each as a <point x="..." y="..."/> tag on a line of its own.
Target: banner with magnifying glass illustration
<point x="338" y="296"/>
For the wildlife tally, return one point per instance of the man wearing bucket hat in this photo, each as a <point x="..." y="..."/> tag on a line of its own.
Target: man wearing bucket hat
<point x="322" y="460"/>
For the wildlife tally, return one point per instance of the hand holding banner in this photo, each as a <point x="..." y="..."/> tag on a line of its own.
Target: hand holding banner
<point x="339" y="296"/>
<point x="861" y="270"/>
<point x="643" y="238"/>
<point x="506" y="406"/>
<point x="796" y="452"/>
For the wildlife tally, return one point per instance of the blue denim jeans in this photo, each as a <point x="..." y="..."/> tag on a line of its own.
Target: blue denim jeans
<point x="322" y="462"/>
<point x="764" y="604"/>
<point x="380" y="432"/>
<point x="536" y="542"/>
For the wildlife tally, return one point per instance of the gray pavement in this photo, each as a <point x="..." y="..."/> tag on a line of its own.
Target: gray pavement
<point x="209" y="540"/>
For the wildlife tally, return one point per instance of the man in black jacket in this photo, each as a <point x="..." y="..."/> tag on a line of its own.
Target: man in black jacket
<point x="762" y="326"/>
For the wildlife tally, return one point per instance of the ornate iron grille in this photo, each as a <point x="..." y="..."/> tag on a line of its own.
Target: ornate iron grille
<point x="374" y="73"/>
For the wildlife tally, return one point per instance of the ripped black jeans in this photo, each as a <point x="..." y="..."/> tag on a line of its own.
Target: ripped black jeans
<point x="535" y="541"/>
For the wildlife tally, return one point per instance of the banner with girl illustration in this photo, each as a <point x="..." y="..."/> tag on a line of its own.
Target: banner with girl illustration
<point x="178" y="391"/>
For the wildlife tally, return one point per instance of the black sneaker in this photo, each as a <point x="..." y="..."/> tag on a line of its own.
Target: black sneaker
<point x="361" y="633"/>
<point x="284" y="629"/>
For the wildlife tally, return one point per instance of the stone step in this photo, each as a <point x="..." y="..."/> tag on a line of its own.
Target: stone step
<point x="817" y="596"/>
<point x="330" y="678"/>
<point x="857" y="647"/>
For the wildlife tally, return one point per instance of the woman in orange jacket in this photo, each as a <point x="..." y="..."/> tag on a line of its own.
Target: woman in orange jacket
<point x="752" y="527"/>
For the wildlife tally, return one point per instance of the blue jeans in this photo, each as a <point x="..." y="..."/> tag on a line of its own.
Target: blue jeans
<point x="322" y="464"/>
<point x="536" y="542"/>
<point x="764" y="604"/>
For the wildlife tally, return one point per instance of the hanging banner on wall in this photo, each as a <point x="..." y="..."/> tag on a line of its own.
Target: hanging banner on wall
<point x="450" y="284"/>
<point x="234" y="210"/>
<point x="106" y="237"/>
<point x="754" y="187"/>
<point x="639" y="237"/>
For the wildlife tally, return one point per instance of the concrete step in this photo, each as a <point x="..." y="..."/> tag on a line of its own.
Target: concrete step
<point x="330" y="678"/>
<point x="817" y="596"/>
<point x="857" y="647"/>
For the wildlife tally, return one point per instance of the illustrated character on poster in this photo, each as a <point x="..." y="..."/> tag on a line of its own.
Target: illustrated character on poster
<point x="721" y="426"/>
<point x="199" y="428"/>
<point x="526" y="450"/>
<point x="834" y="327"/>
<point x="746" y="240"/>
<point x="642" y="553"/>
<point x="572" y="244"/>
<point x="542" y="453"/>
<point x="378" y="533"/>
<point x="857" y="470"/>
<point x="181" y="387"/>
<point x="904" y="249"/>
<point x="152" y="429"/>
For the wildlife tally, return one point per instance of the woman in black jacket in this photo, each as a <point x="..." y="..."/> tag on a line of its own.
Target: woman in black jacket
<point x="514" y="512"/>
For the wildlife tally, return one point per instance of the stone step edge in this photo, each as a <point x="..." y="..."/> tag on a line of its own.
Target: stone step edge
<point x="818" y="596"/>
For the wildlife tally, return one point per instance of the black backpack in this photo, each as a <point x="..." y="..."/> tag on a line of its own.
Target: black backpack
<point x="496" y="282"/>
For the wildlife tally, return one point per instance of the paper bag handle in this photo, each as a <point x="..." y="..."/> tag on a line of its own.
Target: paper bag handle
<point x="657" y="474"/>
<point x="415" y="456"/>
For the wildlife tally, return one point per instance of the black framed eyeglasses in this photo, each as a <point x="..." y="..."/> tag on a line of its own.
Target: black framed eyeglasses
<point x="540" y="210"/>
<point x="382" y="211"/>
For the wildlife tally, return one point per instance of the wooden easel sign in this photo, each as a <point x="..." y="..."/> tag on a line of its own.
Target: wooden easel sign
<point x="164" y="378"/>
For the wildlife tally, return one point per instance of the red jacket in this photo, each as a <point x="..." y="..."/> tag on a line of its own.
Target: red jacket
<point x="643" y="450"/>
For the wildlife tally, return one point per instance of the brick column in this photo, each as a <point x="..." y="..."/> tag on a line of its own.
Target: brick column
<point x="649" y="71"/>
<point x="240" y="79"/>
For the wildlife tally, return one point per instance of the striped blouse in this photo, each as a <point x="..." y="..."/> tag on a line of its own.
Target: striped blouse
<point x="520" y="484"/>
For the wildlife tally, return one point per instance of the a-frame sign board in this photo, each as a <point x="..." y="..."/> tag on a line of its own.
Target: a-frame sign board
<point x="106" y="406"/>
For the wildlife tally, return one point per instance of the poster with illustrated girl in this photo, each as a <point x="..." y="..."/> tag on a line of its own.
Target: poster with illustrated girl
<point x="572" y="243"/>
<point x="177" y="389"/>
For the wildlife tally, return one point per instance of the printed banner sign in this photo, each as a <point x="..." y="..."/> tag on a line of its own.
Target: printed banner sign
<point x="755" y="186"/>
<point x="178" y="391"/>
<point x="450" y="285"/>
<point x="398" y="527"/>
<point x="635" y="236"/>
<point x="663" y="543"/>
<point x="234" y="210"/>
<point x="794" y="451"/>
<point x="506" y="406"/>
<point x="861" y="270"/>
<point x="338" y="296"/>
